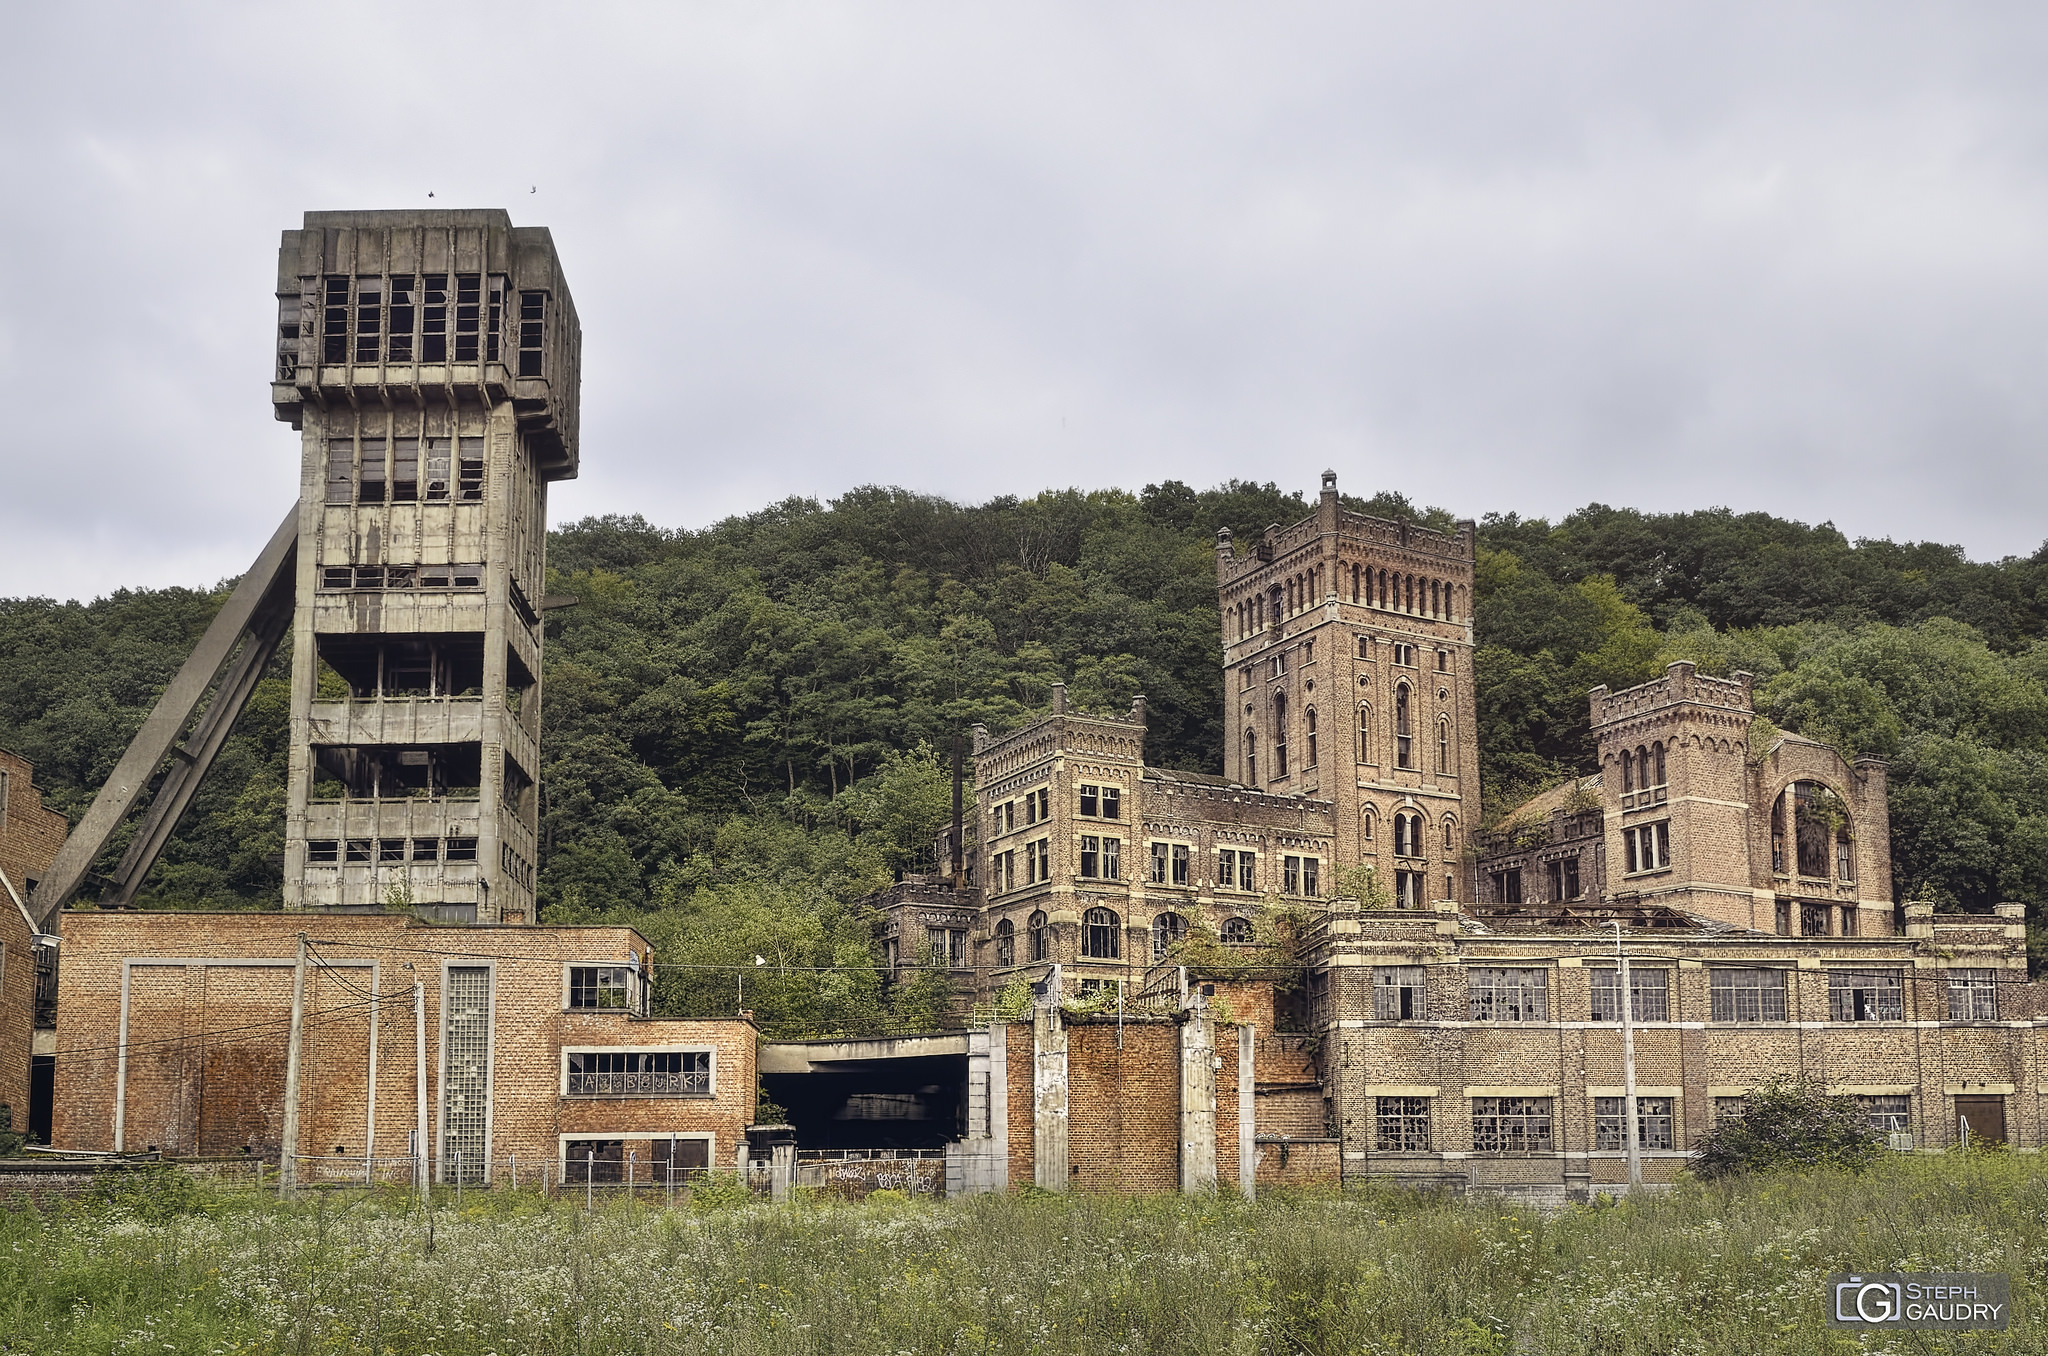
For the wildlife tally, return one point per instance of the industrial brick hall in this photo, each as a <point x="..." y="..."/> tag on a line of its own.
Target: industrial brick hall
<point x="1312" y="964"/>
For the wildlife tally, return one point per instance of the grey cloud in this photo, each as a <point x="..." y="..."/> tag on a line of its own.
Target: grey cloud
<point x="1496" y="256"/>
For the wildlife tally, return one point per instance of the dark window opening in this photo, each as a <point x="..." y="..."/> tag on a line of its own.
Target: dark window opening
<point x="430" y="665"/>
<point x="373" y="470"/>
<point x="1237" y="932"/>
<point x="1398" y="993"/>
<point x="1101" y="935"/>
<point x="470" y="464"/>
<point x="1169" y="930"/>
<point x="1653" y="1123"/>
<point x="323" y="850"/>
<point x="461" y="849"/>
<point x="532" y="327"/>
<point x="1006" y="942"/>
<point x="398" y="342"/>
<point x="369" y="317"/>
<point x="1041" y="937"/>
<point x="386" y="772"/>
<point x="434" y="318"/>
<point x="1649" y="994"/>
<point x="405" y="470"/>
<point x="468" y="316"/>
<point x="334" y="322"/>
<point x="1400" y="1125"/>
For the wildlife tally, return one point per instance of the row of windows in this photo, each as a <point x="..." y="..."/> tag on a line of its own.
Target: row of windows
<point x="1560" y="875"/>
<point x="1509" y="1125"/>
<point x="1521" y="994"/>
<point x="1392" y="591"/>
<point x="638" y="1073"/>
<point x="428" y="318"/>
<point x="1034" y="807"/>
<point x="1102" y="936"/>
<point x="389" y="851"/>
<point x="1101" y="858"/>
<point x="468" y="576"/>
<point x="1405" y="655"/>
<point x="1647" y="847"/>
<point x="1404" y="736"/>
<point x="374" y="469"/>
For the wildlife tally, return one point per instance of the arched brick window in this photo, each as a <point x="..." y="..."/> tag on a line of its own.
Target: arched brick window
<point x="1041" y="937"/>
<point x="1168" y="931"/>
<point x="1237" y="932"/>
<point x="1308" y="714"/>
<point x="1101" y="935"/>
<point x="1006" y="943"/>
<point x="1404" y="740"/>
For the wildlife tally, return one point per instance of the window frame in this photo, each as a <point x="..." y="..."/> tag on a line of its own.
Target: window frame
<point x="1656" y="1123"/>
<point x="1977" y="986"/>
<point x="1887" y="995"/>
<point x="1400" y="993"/>
<point x="632" y="988"/>
<point x="1493" y="996"/>
<point x="710" y="1071"/>
<point x="1401" y="1124"/>
<point x="1731" y="1011"/>
<point x="1511" y="1126"/>
<point x="1604" y="981"/>
<point x="1095" y="931"/>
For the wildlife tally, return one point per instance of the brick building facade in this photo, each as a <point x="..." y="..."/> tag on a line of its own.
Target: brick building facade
<point x="173" y="1034"/>
<point x="30" y="835"/>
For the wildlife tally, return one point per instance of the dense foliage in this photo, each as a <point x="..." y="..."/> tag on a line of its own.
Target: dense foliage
<point x="747" y="727"/>
<point x="1789" y="1125"/>
<point x="1705" y="1268"/>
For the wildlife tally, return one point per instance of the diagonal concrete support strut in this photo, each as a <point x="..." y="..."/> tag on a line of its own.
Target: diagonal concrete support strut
<point x="256" y="616"/>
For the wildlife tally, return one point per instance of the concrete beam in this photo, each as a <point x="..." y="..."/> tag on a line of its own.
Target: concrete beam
<point x="799" y="1057"/>
<point x="1049" y="1098"/>
<point x="159" y="734"/>
<point x="1197" y="1105"/>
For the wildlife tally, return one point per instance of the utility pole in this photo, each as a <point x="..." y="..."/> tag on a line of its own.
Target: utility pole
<point x="288" y="1152"/>
<point x="1629" y="1130"/>
<point x="419" y="1075"/>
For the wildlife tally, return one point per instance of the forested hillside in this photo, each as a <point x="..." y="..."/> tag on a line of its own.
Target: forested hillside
<point x="743" y="724"/>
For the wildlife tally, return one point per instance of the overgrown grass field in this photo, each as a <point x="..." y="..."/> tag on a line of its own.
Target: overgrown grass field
<point x="159" y="1267"/>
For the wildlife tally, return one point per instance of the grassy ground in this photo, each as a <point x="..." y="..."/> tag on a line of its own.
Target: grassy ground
<point x="1740" y="1269"/>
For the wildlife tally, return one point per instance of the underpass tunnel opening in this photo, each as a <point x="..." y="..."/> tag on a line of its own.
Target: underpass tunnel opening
<point x="913" y="1103"/>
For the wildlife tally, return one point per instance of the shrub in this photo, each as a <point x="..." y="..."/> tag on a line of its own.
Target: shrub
<point x="1792" y="1124"/>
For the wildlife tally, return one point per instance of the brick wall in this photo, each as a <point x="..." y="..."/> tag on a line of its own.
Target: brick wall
<point x="1123" y="1105"/>
<point x="209" y="1004"/>
<point x="29" y="838"/>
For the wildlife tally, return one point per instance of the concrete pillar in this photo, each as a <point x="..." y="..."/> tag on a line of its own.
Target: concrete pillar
<point x="781" y="1168"/>
<point x="1247" y="1114"/>
<point x="1197" y="1105"/>
<point x="999" y="1101"/>
<point x="1049" y="1098"/>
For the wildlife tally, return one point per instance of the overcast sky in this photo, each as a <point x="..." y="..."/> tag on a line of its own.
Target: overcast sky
<point x="1499" y="257"/>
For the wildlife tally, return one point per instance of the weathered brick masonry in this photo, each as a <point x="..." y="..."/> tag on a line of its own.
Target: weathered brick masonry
<point x="30" y="835"/>
<point x="172" y="1033"/>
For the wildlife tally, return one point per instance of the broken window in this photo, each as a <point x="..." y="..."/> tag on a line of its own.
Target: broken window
<point x="1507" y="886"/>
<point x="470" y="466"/>
<point x="440" y="457"/>
<point x="1746" y="995"/>
<point x="532" y="326"/>
<point x="1408" y="888"/>
<point x="1648" y="846"/>
<point x="1169" y="930"/>
<point x="287" y="338"/>
<point x="1888" y="1113"/>
<point x="334" y="322"/>
<point x="369" y="318"/>
<point x="1101" y="935"/>
<point x="1653" y="1123"/>
<point x="426" y="849"/>
<point x="405" y="470"/>
<point x="323" y="850"/>
<point x="1501" y="994"/>
<point x="1400" y="1125"/>
<point x="494" y="318"/>
<point x="1041" y="937"/>
<point x="341" y="470"/>
<point x="1237" y="932"/>
<point x="468" y="315"/>
<point x="1973" y="995"/>
<point x="591" y="1161"/>
<point x="390" y="849"/>
<point x="358" y="851"/>
<point x="1506" y="1125"/>
<point x="1649" y="994"/>
<point x="1398" y="993"/>
<point x="1006" y="942"/>
<point x="386" y="772"/>
<point x="639" y="1073"/>
<point x="434" y="318"/>
<point x="1866" y="996"/>
<point x="604" y="987"/>
<point x="461" y="849"/>
<point x="373" y="470"/>
<point x="398" y="345"/>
